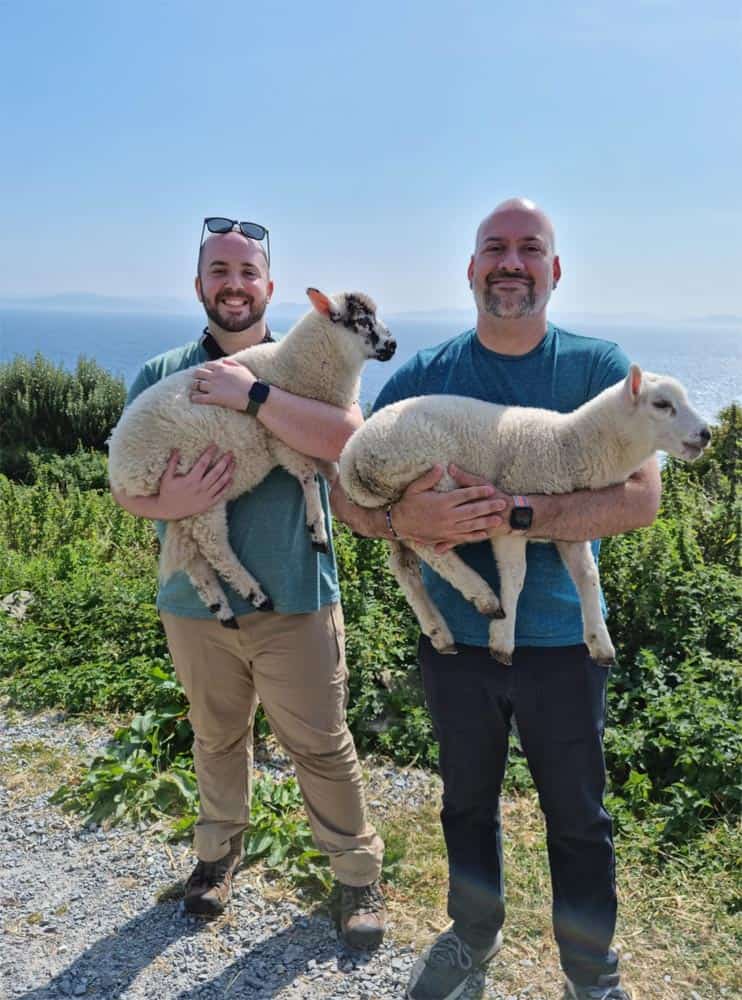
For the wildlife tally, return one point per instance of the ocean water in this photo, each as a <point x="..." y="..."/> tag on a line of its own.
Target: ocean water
<point x="707" y="360"/>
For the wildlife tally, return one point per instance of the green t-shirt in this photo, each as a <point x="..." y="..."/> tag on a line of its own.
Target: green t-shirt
<point x="267" y="529"/>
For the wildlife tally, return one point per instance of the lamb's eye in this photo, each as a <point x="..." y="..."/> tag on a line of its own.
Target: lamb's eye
<point x="663" y="404"/>
<point x="364" y="321"/>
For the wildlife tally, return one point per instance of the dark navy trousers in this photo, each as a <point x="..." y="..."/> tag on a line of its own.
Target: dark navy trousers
<point x="557" y="697"/>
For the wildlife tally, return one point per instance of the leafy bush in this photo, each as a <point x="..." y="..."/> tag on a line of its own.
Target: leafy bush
<point x="45" y="407"/>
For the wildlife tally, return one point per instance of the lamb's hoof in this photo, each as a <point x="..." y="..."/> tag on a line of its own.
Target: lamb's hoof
<point x="321" y="547"/>
<point x="267" y="605"/>
<point x="605" y="661"/>
<point x="506" y="659"/>
<point x="229" y="622"/>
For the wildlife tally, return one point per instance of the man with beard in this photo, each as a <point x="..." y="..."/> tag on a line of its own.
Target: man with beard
<point x="553" y="690"/>
<point x="291" y="658"/>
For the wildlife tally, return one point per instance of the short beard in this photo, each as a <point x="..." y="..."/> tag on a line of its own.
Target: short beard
<point x="489" y="301"/>
<point x="235" y="325"/>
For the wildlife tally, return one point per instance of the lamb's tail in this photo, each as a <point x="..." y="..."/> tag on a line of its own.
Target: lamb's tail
<point x="360" y="481"/>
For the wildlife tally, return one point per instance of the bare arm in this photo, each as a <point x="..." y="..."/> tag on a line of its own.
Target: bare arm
<point x="578" y="517"/>
<point x="183" y="496"/>
<point x="309" y="426"/>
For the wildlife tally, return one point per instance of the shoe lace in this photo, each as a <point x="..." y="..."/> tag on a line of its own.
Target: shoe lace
<point x="449" y="949"/>
<point x="362" y="899"/>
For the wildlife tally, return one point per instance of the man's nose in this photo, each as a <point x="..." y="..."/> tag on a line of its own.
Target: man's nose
<point x="236" y="280"/>
<point x="510" y="260"/>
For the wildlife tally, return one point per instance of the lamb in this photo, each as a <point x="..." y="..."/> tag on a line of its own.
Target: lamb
<point x="521" y="450"/>
<point x="321" y="357"/>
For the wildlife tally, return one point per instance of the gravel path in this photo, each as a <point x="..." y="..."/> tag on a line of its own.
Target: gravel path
<point x="80" y="916"/>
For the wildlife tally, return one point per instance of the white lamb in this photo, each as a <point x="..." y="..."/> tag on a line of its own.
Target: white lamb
<point x="521" y="450"/>
<point x="321" y="357"/>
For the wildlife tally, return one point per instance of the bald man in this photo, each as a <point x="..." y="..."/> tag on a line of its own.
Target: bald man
<point x="554" y="691"/>
<point x="291" y="658"/>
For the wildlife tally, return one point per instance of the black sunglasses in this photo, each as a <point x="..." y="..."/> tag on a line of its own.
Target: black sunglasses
<point x="252" y="230"/>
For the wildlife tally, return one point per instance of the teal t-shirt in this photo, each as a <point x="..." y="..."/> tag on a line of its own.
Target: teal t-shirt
<point x="560" y="373"/>
<point x="267" y="529"/>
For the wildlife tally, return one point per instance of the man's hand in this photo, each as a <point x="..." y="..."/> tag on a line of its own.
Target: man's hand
<point x="471" y="513"/>
<point x="198" y="490"/>
<point x="225" y="382"/>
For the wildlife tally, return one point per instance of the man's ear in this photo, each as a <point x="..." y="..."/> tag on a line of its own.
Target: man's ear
<point x="556" y="271"/>
<point x="197" y="285"/>
<point x="470" y="269"/>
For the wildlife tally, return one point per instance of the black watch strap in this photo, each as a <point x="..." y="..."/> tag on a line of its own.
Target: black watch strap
<point x="256" y="397"/>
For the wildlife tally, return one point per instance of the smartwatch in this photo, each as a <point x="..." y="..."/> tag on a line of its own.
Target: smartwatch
<point x="521" y="515"/>
<point x="256" y="397"/>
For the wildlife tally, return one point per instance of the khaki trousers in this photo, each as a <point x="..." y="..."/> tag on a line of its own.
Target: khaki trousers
<point x="295" y="665"/>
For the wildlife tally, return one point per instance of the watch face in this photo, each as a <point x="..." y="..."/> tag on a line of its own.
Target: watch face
<point x="259" y="392"/>
<point x="520" y="518"/>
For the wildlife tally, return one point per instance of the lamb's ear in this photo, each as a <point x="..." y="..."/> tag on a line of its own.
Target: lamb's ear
<point x="633" y="384"/>
<point x="323" y="304"/>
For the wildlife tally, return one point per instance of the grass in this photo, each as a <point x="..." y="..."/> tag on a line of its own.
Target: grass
<point x="32" y="768"/>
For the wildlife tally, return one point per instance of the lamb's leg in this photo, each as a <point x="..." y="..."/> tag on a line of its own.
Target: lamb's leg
<point x="452" y="568"/>
<point x="305" y="470"/>
<point x="207" y="586"/>
<point x="212" y="536"/>
<point x="510" y="556"/>
<point x="180" y="551"/>
<point x="405" y="566"/>
<point x="579" y="560"/>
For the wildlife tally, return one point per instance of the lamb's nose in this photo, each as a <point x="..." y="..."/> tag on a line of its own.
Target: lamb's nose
<point x="705" y="435"/>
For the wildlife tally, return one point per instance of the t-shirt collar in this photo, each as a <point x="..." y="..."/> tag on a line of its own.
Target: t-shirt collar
<point x="214" y="351"/>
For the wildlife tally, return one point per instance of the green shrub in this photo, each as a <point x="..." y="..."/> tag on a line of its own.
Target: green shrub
<point x="43" y="407"/>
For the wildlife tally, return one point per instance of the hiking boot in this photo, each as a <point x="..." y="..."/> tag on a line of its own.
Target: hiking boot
<point x="362" y="915"/>
<point x="606" y="988"/>
<point x="441" y="973"/>
<point x="209" y="888"/>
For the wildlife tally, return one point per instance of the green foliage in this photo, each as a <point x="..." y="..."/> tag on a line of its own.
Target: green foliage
<point x="91" y="635"/>
<point x="386" y="708"/>
<point x="46" y="408"/>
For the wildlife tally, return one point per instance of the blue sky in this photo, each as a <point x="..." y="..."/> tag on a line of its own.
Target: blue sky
<point x="371" y="138"/>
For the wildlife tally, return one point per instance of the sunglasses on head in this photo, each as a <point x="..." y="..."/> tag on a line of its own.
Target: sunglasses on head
<point x="252" y="230"/>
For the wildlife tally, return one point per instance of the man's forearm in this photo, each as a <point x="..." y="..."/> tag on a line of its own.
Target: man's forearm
<point x="369" y="523"/>
<point x="587" y="514"/>
<point x="310" y="426"/>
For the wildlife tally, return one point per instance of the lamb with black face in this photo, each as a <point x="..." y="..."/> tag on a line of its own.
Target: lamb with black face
<point x="361" y="317"/>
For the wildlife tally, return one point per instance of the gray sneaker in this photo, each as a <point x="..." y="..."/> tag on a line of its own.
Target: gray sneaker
<point x="606" y="988"/>
<point x="443" y="969"/>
